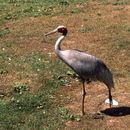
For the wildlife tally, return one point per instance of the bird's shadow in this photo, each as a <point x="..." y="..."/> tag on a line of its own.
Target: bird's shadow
<point x="117" y="111"/>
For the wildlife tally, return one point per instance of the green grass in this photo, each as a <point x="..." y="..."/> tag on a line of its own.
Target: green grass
<point x="85" y="29"/>
<point x="66" y="115"/>
<point x="114" y="2"/>
<point x="13" y="9"/>
<point x="120" y="2"/>
<point x="123" y="45"/>
<point x="4" y="32"/>
<point x="37" y="110"/>
<point x="29" y="111"/>
<point x="30" y="102"/>
<point x="22" y="109"/>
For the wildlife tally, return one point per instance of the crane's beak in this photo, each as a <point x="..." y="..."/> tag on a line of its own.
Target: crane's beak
<point x="51" y="32"/>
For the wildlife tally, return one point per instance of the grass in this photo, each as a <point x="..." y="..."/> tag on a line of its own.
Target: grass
<point x="37" y="110"/>
<point x="21" y="108"/>
<point x="4" y="32"/>
<point x="115" y="2"/>
<point x="120" y="2"/>
<point x="13" y="9"/>
<point x="66" y="115"/>
<point x="31" y="75"/>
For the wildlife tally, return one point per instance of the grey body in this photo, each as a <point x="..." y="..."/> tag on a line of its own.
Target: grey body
<point x="88" y="67"/>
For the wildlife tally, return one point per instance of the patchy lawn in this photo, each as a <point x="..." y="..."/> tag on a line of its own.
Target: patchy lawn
<point x="38" y="91"/>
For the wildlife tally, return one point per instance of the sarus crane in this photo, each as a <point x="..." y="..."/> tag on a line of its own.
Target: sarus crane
<point x="88" y="67"/>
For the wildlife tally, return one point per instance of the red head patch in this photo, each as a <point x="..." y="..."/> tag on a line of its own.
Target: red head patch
<point x="63" y="30"/>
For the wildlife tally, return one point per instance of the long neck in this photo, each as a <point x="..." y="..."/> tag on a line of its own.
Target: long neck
<point x="58" y="43"/>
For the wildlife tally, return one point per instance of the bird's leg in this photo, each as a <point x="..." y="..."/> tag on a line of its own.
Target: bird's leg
<point x="83" y="97"/>
<point x="110" y="98"/>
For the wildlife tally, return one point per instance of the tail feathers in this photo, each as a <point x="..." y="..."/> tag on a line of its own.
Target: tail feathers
<point x="106" y="77"/>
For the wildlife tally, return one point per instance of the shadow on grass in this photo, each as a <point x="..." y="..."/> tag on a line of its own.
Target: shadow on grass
<point x="117" y="111"/>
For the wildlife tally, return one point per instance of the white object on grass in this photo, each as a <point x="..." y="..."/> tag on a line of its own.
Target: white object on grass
<point x="114" y="102"/>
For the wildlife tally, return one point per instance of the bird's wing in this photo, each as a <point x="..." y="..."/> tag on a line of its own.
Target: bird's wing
<point x="87" y="66"/>
<point x="79" y="61"/>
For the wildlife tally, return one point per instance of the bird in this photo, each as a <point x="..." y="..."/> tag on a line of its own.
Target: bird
<point x="88" y="67"/>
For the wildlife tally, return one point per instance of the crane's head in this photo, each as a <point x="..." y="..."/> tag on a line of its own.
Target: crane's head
<point x="60" y="29"/>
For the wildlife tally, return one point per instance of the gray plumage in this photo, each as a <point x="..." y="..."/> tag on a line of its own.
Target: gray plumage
<point x="88" y="67"/>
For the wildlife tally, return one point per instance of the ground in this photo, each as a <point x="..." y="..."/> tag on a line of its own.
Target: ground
<point x="101" y="29"/>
